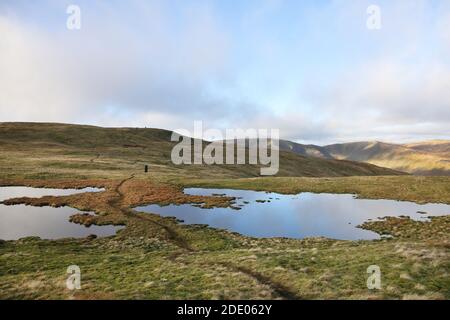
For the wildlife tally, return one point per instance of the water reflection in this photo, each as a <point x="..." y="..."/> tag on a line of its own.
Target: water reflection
<point x="20" y="221"/>
<point x="296" y="216"/>
<point x="16" y="192"/>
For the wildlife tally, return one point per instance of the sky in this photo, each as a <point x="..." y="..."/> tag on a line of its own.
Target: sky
<point x="310" y="68"/>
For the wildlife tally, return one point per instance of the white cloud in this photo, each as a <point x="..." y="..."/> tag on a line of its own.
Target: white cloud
<point x="64" y="75"/>
<point x="146" y="64"/>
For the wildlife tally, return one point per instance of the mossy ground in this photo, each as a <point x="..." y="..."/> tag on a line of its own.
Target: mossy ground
<point x="136" y="268"/>
<point x="158" y="258"/>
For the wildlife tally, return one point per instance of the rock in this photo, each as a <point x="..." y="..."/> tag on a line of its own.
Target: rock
<point x="91" y="237"/>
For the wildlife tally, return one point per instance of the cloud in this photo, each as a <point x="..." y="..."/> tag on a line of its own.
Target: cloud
<point x="149" y="66"/>
<point x="312" y="70"/>
<point x="400" y="91"/>
<point x="387" y="99"/>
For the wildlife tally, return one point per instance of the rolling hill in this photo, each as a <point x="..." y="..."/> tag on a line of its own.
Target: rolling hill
<point x="434" y="146"/>
<point x="421" y="158"/>
<point x="43" y="149"/>
<point x="310" y="150"/>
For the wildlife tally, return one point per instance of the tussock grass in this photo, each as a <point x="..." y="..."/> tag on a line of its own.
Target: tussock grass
<point x="155" y="257"/>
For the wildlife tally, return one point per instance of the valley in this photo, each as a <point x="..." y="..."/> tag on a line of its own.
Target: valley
<point x="430" y="158"/>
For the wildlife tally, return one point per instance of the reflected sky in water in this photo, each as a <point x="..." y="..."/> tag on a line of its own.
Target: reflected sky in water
<point x="16" y="192"/>
<point x="20" y="221"/>
<point x="296" y="216"/>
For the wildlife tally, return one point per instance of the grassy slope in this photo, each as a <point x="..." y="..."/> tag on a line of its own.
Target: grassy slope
<point x="145" y="261"/>
<point x="59" y="148"/>
<point x="305" y="149"/>
<point x="430" y="158"/>
<point x="433" y="146"/>
<point x="149" y="268"/>
<point x="142" y="263"/>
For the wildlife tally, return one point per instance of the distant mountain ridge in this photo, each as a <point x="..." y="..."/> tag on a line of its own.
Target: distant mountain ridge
<point x="422" y="158"/>
<point x="305" y="149"/>
<point x="435" y="146"/>
<point x="62" y="147"/>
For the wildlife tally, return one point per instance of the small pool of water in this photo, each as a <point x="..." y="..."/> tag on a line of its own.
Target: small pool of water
<point x="20" y="221"/>
<point x="17" y="192"/>
<point x="264" y="214"/>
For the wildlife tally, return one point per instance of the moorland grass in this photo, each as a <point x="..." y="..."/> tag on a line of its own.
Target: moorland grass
<point x="158" y="258"/>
